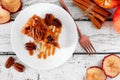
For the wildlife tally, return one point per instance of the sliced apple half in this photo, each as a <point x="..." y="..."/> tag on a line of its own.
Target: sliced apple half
<point x="4" y="15"/>
<point x="95" y="73"/>
<point x="108" y="4"/>
<point x="12" y="5"/>
<point x="111" y="65"/>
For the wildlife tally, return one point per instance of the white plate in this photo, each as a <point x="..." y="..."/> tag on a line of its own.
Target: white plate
<point x="67" y="39"/>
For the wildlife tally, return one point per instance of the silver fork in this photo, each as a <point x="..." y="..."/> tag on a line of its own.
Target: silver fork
<point x="83" y="39"/>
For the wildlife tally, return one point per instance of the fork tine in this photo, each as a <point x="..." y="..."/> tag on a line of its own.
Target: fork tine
<point x="88" y="47"/>
<point x="92" y="47"/>
<point x="83" y="46"/>
<point x="86" y="50"/>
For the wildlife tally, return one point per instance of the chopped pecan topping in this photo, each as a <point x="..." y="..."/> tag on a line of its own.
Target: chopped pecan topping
<point x="56" y="44"/>
<point x="50" y="39"/>
<point x="27" y="28"/>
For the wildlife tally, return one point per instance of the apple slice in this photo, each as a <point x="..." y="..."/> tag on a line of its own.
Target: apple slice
<point x="4" y="15"/>
<point x="95" y="73"/>
<point x="12" y="5"/>
<point x="108" y="4"/>
<point x="111" y="65"/>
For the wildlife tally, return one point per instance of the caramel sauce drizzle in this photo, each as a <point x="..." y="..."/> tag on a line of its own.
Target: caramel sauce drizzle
<point x="46" y="48"/>
<point x="31" y="52"/>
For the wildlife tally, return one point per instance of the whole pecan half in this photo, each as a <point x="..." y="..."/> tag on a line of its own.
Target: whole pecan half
<point x="30" y="46"/>
<point x="48" y="19"/>
<point x="9" y="62"/>
<point x="56" y="22"/>
<point x="19" y="67"/>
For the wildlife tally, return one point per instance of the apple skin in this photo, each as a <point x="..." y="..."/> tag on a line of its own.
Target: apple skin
<point x="98" y="68"/>
<point x="116" y="20"/>
<point x="107" y="4"/>
<point x="95" y="67"/>
<point x="103" y="68"/>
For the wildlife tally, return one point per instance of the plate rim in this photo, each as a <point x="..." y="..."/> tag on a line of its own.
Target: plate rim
<point x="75" y="44"/>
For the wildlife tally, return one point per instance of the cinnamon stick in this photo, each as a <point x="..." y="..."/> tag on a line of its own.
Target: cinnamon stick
<point x="84" y="8"/>
<point x="96" y="8"/>
<point x="95" y="22"/>
<point x="99" y="9"/>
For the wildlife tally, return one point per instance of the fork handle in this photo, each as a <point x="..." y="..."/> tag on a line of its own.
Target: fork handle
<point x="65" y="7"/>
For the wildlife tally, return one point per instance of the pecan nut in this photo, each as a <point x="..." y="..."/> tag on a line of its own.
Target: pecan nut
<point x="50" y="39"/>
<point x="30" y="46"/>
<point x="9" y="62"/>
<point x="19" y="67"/>
<point x="56" y="22"/>
<point x="48" y="19"/>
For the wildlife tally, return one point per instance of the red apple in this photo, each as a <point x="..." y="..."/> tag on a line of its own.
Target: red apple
<point x="111" y="65"/>
<point x="0" y="2"/>
<point x="108" y="4"/>
<point x="12" y="5"/>
<point x="116" y="20"/>
<point x="4" y="15"/>
<point x="95" y="73"/>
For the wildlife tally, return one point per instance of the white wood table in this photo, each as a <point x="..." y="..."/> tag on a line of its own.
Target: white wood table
<point x="105" y="40"/>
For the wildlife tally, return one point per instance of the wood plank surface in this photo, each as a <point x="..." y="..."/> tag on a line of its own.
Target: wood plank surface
<point x="75" y="11"/>
<point x="74" y="69"/>
<point x="105" y="37"/>
<point x="105" y="40"/>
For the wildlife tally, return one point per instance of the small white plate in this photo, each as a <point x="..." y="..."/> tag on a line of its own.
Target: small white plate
<point x="67" y="39"/>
